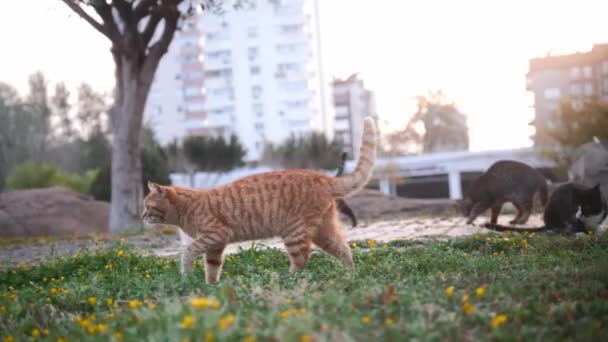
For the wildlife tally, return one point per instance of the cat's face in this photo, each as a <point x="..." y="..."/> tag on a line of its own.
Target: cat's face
<point x="157" y="207"/>
<point x="592" y="203"/>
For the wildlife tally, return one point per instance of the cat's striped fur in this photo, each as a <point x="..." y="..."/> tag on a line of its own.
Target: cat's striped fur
<point x="297" y="205"/>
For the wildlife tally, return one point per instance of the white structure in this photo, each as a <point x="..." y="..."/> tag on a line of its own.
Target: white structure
<point x="264" y="73"/>
<point x="352" y="103"/>
<point x="177" y="94"/>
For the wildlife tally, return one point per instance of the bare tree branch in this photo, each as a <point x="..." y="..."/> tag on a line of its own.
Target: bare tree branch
<point x="150" y="28"/>
<point x="143" y="8"/>
<point x="78" y="10"/>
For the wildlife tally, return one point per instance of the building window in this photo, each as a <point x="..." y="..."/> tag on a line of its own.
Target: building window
<point x="575" y="73"/>
<point x="252" y="32"/>
<point x="252" y="53"/>
<point x="218" y="73"/>
<point x="296" y="104"/>
<point x="294" y="86"/>
<point x="221" y="92"/>
<point x="220" y="55"/>
<point x="193" y="75"/>
<point x="259" y="145"/>
<point x="588" y="88"/>
<point x="218" y="36"/>
<point x="552" y="93"/>
<point x="576" y="89"/>
<point x="194" y="106"/>
<point x="193" y="91"/>
<point x="259" y="126"/>
<point x="290" y="48"/>
<point x="290" y="28"/>
<point x="254" y="70"/>
<point x="587" y="72"/>
<point x="256" y="91"/>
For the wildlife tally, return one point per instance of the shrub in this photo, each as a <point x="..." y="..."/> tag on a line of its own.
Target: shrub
<point x="31" y="176"/>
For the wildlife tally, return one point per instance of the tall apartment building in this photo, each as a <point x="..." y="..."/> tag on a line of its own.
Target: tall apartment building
<point x="177" y="95"/>
<point x="573" y="76"/>
<point x="352" y="102"/>
<point x="255" y="71"/>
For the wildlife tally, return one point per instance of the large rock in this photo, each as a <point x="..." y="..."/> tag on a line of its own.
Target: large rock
<point x="371" y="204"/>
<point x="51" y="211"/>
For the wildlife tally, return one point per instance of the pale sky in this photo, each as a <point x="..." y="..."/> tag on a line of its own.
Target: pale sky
<point x="476" y="51"/>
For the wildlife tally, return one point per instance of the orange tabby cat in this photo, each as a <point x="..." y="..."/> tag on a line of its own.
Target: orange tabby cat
<point x="297" y="205"/>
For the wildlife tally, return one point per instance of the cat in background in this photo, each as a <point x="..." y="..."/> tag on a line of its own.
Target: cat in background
<point x="572" y="208"/>
<point x="505" y="181"/>
<point x="297" y="205"/>
<point x="343" y="207"/>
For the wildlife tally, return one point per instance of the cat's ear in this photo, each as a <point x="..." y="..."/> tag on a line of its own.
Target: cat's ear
<point x="157" y="189"/>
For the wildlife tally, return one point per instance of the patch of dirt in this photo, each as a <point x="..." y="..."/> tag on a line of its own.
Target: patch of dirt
<point x="51" y="212"/>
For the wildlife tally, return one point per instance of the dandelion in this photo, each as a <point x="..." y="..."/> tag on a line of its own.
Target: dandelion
<point x="284" y="314"/>
<point x="366" y="320"/>
<point x="35" y="333"/>
<point x="62" y="339"/>
<point x="118" y="336"/>
<point x="480" y="291"/>
<point x="110" y="315"/>
<point x="468" y="308"/>
<point x="2" y="308"/>
<point x="353" y="245"/>
<point x="465" y="297"/>
<point x="46" y="332"/>
<point x="389" y="321"/>
<point x="250" y="339"/>
<point x="225" y="322"/>
<point x="498" y="321"/>
<point x="92" y="329"/>
<point x="306" y="338"/>
<point x="449" y="291"/>
<point x="92" y="300"/>
<point x="204" y="303"/>
<point x="8" y="338"/>
<point x="188" y="322"/>
<point x="134" y="304"/>
<point x="109" y="301"/>
<point x="209" y="337"/>
<point x="524" y="243"/>
<point x="102" y="328"/>
<point x="108" y="267"/>
<point x="120" y="253"/>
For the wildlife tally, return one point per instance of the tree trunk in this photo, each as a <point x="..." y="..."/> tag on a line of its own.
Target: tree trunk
<point x="127" y="114"/>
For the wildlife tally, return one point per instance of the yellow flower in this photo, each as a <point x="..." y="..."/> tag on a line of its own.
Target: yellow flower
<point x="118" y="336"/>
<point x="102" y="328"/>
<point x="121" y="253"/>
<point x="524" y="243"/>
<point x="449" y="291"/>
<point x="92" y="300"/>
<point x="8" y="338"/>
<point x="306" y="338"/>
<point x="35" y="332"/>
<point x="353" y="245"/>
<point x="46" y="332"/>
<point x="134" y="304"/>
<point x="250" y="339"/>
<point x="480" y="291"/>
<point x="151" y="306"/>
<point x="284" y="314"/>
<point x="225" y="322"/>
<point x="389" y="321"/>
<point x="92" y="329"/>
<point x="53" y="291"/>
<point x="468" y="308"/>
<point x="366" y="320"/>
<point x="188" y="322"/>
<point x="62" y="339"/>
<point x="108" y="267"/>
<point x="110" y="315"/>
<point x="209" y="336"/>
<point x="2" y="308"/>
<point x="204" y="303"/>
<point x="498" y="321"/>
<point x="109" y="301"/>
<point x="122" y="241"/>
<point x="465" y="297"/>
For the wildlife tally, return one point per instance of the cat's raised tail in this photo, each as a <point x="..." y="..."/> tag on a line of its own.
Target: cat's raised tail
<point x="348" y="184"/>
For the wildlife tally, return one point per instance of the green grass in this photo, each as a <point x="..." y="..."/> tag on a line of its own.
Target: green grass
<point x="548" y="288"/>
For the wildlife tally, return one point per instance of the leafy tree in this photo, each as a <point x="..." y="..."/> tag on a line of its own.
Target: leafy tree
<point x="437" y="125"/>
<point x="92" y="113"/>
<point x="60" y="104"/>
<point x="573" y="124"/>
<point x="214" y="154"/>
<point x="312" y="151"/>
<point x="37" y="105"/>
<point x="140" y="33"/>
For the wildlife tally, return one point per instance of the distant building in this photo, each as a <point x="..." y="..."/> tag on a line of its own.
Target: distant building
<point x="574" y="76"/>
<point x="352" y="102"/>
<point x="177" y="95"/>
<point x="255" y="71"/>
